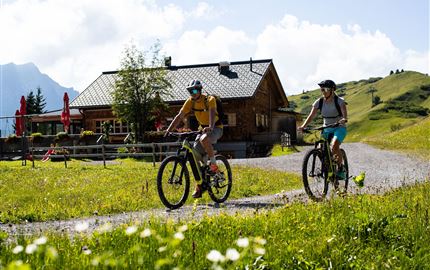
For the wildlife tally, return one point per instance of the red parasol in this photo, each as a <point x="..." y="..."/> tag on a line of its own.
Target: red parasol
<point x="22" y="112"/>
<point x="65" y="115"/>
<point x="18" y="120"/>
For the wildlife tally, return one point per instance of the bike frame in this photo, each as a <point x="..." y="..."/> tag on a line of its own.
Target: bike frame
<point x="189" y="155"/>
<point x="327" y="155"/>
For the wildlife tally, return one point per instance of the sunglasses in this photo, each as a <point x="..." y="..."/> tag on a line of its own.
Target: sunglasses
<point x="325" y="89"/>
<point x="193" y="91"/>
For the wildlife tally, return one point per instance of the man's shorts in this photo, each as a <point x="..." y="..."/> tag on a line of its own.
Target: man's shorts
<point x="213" y="136"/>
<point x="338" y="132"/>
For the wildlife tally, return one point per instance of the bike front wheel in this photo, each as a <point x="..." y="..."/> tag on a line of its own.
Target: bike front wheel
<point x="314" y="175"/>
<point x="173" y="182"/>
<point x="221" y="183"/>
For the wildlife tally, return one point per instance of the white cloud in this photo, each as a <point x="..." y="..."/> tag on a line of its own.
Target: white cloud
<point x="221" y="44"/>
<point x="306" y="53"/>
<point x="74" y="41"/>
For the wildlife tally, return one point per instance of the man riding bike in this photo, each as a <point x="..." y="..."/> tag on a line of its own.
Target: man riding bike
<point x="333" y="110"/>
<point x="205" y="110"/>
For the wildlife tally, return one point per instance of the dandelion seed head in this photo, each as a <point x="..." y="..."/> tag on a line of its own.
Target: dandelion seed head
<point x="107" y="227"/>
<point x="260" y="240"/>
<point x="215" y="256"/>
<point x="145" y="233"/>
<point x="179" y="236"/>
<point x="17" y="249"/>
<point x="81" y="226"/>
<point x="242" y="242"/>
<point x="52" y="252"/>
<point x="259" y="251"/>
<point x="131" y="230"/>
<point x="30" y="249"/>
<point x="40" y="241"/>
<point x="183" y="228"/>
<point x="232" y="254"/>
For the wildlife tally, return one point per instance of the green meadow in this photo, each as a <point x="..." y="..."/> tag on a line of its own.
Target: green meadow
<point x="390" y="231"/>
<point x="398" y="122"/>
<point x="52" y="192"/>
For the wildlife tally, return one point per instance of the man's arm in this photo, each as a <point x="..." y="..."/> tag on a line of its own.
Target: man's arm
<point x="178" y="118"/>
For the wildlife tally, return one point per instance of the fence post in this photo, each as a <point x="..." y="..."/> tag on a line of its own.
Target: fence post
<point x="32" y="156"/>
<point x="153" y="155"/>
<point x="104" y="157"/>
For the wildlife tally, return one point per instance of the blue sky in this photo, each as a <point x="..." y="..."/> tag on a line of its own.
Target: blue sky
<point x="308" y="40"/>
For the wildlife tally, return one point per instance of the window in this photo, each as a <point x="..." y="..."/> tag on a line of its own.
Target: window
<point x="231" y="119"/>
<point x="117" y="126"/>
<point x="261" y="120"/>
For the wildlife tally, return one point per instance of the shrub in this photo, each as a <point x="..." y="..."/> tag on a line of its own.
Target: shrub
<point x="36" y="134"/>
<point x="425" y="87"/>
<point x="304" y="97"/>
<point x="12" y="138"/>
<point x="376" y="100"/>
<point x="87" y="133"/>
<point x="61" y="136"/>
<point x="395" y="127"/>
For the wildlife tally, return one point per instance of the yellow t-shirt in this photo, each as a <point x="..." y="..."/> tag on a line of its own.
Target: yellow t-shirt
<point x="201" y="113"/>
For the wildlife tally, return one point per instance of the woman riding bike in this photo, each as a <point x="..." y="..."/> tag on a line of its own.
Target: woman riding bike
<point x="333" y="110"/>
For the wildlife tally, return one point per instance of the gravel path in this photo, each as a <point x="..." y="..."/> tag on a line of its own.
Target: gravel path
<point x="384" y="170"/>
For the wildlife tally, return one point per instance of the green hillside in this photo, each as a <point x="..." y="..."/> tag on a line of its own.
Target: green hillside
<point x="404" y="101"/>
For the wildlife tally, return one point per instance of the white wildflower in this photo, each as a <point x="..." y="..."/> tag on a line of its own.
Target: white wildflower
<point x="183" y="228"/>
<point x="30" y="249"/>
<point x="242" y="242"/>
<point x="52" y="252"/>
<point x="107" y="227"/>
<point x="260" y="240"/>
<point x="215" y="256"/>
<point x="81" y="226"/>
<point x="17" y="249"/>
<point x="145" y="233"/>
<point x="259" y="251"/>
<point x="232" y="254"/>
<point x="40" y="241"/>
<point x="87" y="251"/>
<point x="130" y="230"/>
<point x="179" y="236"/>
<point x="162" y="249"/>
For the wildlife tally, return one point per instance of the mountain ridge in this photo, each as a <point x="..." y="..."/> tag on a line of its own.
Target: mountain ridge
<point x="19" y="80"/>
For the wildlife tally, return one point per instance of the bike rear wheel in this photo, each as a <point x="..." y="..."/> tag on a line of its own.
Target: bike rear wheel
<point x="221" y="183"/>
<point x="342" y="185"/>
<point x="173" y="182"/>
<point x="314" y="175"/>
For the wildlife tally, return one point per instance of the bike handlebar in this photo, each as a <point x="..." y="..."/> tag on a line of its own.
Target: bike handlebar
<point x="184" y="134"/>
<point x="308" y="129"/>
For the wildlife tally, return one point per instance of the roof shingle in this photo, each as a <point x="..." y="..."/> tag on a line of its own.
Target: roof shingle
<point x="240" y="82"/>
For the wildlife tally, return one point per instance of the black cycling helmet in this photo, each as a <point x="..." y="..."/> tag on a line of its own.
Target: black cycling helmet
<point x="195" y="84"/>
<point x="328" y="83"/>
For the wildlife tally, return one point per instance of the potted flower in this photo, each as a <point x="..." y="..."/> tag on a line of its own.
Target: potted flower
<point x="87" y="137"/>
<point x="62" y="136"/>
<point x="36" y="137"/>
<point x="12" y="138"/>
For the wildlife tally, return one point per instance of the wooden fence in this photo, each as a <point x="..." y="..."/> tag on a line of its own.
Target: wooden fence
<point x="106" y="151"/>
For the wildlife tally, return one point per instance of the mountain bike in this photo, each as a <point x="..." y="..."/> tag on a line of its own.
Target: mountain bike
<point x="173" y="179"/>
<point x="320" y="167"/>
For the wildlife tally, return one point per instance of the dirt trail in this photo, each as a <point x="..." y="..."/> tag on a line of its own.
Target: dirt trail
<point x="384" y="170"/>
